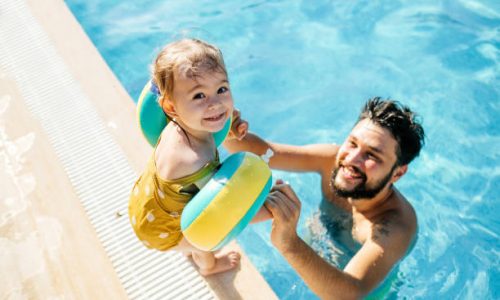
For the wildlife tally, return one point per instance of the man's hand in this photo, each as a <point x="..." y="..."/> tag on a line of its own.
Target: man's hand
<point x="239" y="127"/>
<point x="285" y="206"/>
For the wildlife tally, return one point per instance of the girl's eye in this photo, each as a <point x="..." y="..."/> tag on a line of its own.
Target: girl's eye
<point x="352" y="144"/>
<point x="199" y="96"/>
<point x="222" y="90"/>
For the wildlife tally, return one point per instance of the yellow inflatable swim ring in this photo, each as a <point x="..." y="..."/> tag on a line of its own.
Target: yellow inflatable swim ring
<point x="228" y="202"/>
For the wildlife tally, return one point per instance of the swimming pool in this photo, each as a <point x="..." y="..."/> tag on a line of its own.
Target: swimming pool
<point x="301" y="71"/>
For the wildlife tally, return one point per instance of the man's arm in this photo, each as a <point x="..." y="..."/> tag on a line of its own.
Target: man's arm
<point x="363" y="273"/>
<point x="308" y="158"/>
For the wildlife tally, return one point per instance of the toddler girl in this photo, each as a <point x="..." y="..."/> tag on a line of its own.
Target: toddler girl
<point x="194" y="92"/>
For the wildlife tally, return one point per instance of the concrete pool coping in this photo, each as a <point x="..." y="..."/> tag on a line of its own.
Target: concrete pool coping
<point x="53" y="229"/>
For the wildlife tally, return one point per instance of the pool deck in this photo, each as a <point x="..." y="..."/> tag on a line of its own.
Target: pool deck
<point x="49" y="246"/>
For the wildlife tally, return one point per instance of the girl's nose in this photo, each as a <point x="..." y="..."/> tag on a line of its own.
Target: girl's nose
<point x="214" y="102"/>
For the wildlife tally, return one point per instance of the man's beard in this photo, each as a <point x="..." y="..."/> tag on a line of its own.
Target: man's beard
<point x="360" y="191"/>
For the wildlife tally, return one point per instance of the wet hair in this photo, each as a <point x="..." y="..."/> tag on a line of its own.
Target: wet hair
<point x="184" y="58"/>
<point x="401" y="122"/>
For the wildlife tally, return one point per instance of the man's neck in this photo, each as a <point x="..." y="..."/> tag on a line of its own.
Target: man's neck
<point x="366" y="206"/>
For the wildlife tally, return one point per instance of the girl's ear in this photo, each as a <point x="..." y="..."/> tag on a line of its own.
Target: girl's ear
<point x="168" y="107"/>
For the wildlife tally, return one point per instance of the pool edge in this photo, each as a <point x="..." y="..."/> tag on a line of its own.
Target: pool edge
<point x="117" y="111"/>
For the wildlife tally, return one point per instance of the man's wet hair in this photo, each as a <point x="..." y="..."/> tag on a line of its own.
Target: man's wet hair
<point x="401" y="122"/>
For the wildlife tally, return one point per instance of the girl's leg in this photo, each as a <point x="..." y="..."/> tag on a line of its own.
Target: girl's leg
<point x="209" y="262"/>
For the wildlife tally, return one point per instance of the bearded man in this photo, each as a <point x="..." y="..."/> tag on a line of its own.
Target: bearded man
<point x="357" y="180"/>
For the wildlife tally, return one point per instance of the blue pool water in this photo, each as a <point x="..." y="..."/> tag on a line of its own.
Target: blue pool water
<point x="300" y="71"/>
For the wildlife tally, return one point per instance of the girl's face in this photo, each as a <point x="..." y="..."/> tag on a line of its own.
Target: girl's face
<point x="203" y="103"/>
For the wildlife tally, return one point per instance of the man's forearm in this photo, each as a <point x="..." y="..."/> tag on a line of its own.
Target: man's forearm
<point x="255" y="144"/>
<point x="325" y="280"/>
<point x="251" y="143"/>
<point x="309" y="158"/>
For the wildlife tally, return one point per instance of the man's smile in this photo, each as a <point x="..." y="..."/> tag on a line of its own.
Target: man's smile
<point x="352" y="173"/>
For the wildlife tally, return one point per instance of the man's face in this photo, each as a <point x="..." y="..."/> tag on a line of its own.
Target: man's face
<point x="366" y="162"/>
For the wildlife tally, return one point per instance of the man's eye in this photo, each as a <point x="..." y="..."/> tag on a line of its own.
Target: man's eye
<point x="199" y="96"/>
<point x="222" y="90"/>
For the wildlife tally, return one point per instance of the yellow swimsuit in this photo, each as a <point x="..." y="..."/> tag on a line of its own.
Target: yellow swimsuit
<point x="156" y="204"/>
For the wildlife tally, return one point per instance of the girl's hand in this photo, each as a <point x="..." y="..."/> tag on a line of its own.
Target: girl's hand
<point x="239" y="127"/>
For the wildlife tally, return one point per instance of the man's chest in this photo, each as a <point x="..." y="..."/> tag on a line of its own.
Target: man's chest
<point x="354" y="226"/>
<point x="361" y="229"/>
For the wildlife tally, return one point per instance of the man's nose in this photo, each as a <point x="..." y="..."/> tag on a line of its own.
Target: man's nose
<point x="353" y="157"/>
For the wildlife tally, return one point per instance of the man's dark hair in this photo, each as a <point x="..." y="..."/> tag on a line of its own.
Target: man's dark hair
<point x="401" y="122"/>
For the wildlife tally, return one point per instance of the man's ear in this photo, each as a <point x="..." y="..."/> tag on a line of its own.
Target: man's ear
<point x="168" y="107"/>
<point x="399" y="172"/>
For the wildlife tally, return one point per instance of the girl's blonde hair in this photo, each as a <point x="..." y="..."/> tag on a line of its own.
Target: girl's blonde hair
<point x="186" y="57"/>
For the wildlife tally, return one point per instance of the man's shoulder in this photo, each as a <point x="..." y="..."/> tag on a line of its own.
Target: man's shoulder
<point x="397" y="226"/>
<point x="327" y="153"/>
<point x="328" y="150"/>
<point x="405" y="217"/>
<point x="318" y="157"/>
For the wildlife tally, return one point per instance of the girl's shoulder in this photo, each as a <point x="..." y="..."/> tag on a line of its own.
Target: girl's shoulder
<point x="176" y="158"/>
